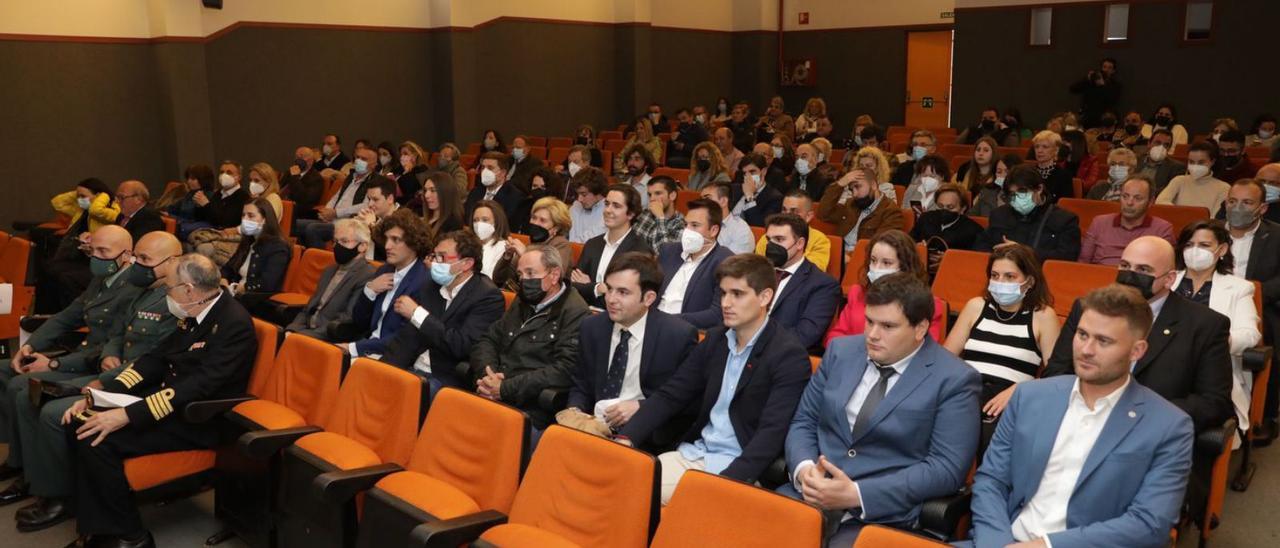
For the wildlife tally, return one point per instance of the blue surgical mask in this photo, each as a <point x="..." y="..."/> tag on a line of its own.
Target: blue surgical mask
<point x="919" y="152"/>
<point x="802" y="166"/>
<point x="517" y="153"/>
<point x="83" y="202"/>
<point x="361" y="166"/>
<point x="1273" y="194"/>
<point x="1118" y="173"/>
<point x="442" y="274"/>
<point x="1023" y="202"/>
<point x="1000" y="182"/>
<point x="250" y="228"/>
<point x="1005" y="293"/>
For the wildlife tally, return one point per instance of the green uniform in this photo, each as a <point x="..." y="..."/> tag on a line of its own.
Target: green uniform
<point x="144" y="324"/>
<point x="99" y="309"/>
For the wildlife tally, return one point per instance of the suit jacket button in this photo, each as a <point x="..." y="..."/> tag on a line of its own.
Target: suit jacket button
<point x="852" y="453"/>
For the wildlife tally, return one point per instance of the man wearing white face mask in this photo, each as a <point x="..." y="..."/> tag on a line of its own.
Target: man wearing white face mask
<point x="1198" y="187"/>
<point x="332" y="156"/>
<point x="807" y="176"/>
<point x="923" y="143"/>
<point x="221" y="209"/>
<point x="1121" y="163"/>
<point x="689" y="286"/>
<point x="347" y="202"/>
<point x="492" y="184"/>
<point x="1156" y="162"/>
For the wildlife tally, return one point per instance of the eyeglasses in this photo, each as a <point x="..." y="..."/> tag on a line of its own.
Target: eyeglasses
<point x="123" y="197"/>
<point x="442" y="258"/>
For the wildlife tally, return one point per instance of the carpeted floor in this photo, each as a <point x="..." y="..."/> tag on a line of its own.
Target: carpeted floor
<point x="1248" y="518"/>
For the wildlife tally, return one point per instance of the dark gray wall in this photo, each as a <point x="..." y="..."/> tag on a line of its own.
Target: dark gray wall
<point x="1230" y="76"/>
<point x="859" y="71"/>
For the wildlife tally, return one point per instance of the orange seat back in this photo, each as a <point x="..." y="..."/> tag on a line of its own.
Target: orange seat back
<point x="291" y="272"/>
<point x="962" y="275"/>
<point x="680" y="175"/>
<point x="15" y="260"/>
<point x="589" y="490"/>
<point x="1086" y="210"/>
<point x="559" y="142"/>
<point x="757" y="232"/>
<point x="536" y="141"/>
<point x="683" y="197"/>
<point x="539" y="152"/>
<point x="475" y="445"/>
<point x="879" y="536"/>
<point x="286" y="218"/>
<point x="1179" y="216"/>
<point x="834" y="263"/>
<point x="1069" y="281"/>
<point x="615" y="145"/>
<point x="814" y="362"/>
<point x="986" y="223"/>
<point x="305" y="378"/>
<point x="508" y="297"/>
<point x="306" y="279"/>
<point x="576" y="249"/>
<point x="709" y="510"/>
<point x="947" y="151"/>
<point x="378" y="407"/>
<point x="170" y="224"/>
<point x="557" y="156"/>
<point x="610" y="134"/>
<point x="472" y="149"/>
<point x="268" y="335"/>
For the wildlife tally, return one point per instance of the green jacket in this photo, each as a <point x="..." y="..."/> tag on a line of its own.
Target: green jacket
<point x="143" y="324"/>
<point x="99" y="308"/>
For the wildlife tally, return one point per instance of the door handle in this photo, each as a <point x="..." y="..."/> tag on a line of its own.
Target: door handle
<point x="908" y="96"/>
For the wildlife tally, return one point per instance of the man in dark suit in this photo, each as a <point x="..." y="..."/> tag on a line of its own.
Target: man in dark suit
<point x="223" y="207"/>
<point x="332" y="156"/>
<point x="448" y="315"/>
<point x="210" y="357"/>
<point x="753" y="199"/>
<point x="807" y="296"/>
<point x="687" y="135"/>
<point x="303" y="184"/>
<point x="626" y="355"/>
<point x="621" y="206"/>
<point x="347" y="202"/>
<point x="748" y="376"/>
<point x="340" y="284"/>
<point x="1157" y="164"/>
<point x="406" y="240"/>
<point x="889" y="420"/>
<point x="523" y="166"/>
<point x="1028" y="217"/>
<point x="491" y="184"/>
<point x="688" y="266"/>
<point x="135" y="216"/>
<point x="808" y="177"/>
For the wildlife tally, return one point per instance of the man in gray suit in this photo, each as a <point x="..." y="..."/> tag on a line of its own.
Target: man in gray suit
<point x="339" y="284"/>
<point x="889" y="420"/>
<point x="1156" y="162"/>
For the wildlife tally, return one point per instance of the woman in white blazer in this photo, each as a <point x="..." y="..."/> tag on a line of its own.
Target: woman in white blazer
<point x="1204" y="276"/>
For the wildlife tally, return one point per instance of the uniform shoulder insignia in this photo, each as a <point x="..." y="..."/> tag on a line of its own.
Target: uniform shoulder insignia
<point x="159" y="403"/>
<point x="129" y="377"/>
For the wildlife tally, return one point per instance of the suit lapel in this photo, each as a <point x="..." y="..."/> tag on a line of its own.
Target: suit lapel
<point x="1042" y="445"/>
<point x="917" y="371"/>
<point x="1257" y="250"/>
<point x="701" y="271"/>
<point x="843" y="392"/>
<point x="750" y="367"/>
<point x="797" y="279"/>
<point x="1163" y="330"/>
<point x="1126" y="415"/>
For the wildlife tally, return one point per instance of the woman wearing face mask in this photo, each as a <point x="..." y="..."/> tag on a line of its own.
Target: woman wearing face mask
<point x="946" y="227"/>
<point x="387" y="164"/>
<point x="721" y="114"/>
<point x="489" y="223"/>
<point x="548" y="225"/>
<point x="256" y="270"/>
<point x="1008" y="333"/>
<point x="586" y="136"/>
<point x="492" y="141"/>
<point x="1263" y="133"/>
<point x="412" y="160"/>
<point x="991" y="196"/>
<point x="708" y="166"/>
<point x="264" y="184"/>
<point x="888" y="252"/>
<point x="930" y="172"/>
<point x="1121" y="162"/>
<point x="1165" y="117"/>
<point x="89" y="206"/>
<point x="542" y="183"/>
<point x="1029" y="219"/>
<point x="783" y="154"/>
<point x="1205" y="276"/>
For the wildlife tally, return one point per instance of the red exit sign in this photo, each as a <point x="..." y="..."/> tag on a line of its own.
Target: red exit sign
<point x="804" y="18"/>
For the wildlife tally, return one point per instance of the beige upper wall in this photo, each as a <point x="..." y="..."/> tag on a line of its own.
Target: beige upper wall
<point x="962" y="4"/>
<point x="836" y="14"/>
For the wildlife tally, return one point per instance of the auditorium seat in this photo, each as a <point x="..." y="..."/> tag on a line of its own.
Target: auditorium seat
<point x="958" y="160"/>
<point x="1179" y="216"/>
<point x="814" y="362"/>
<point x="757" y="232"/>
<point x="468" y="160"/>
<point x="1086" y="209"/>
<point x="609" y="135"/>
<point x="683" y="197"/>
<point x="536" y="141"/>
<point x="1263" y="152"/>
<point x="837" y="156"/>
<point x="581" y="490"/>
<point x="962" y="275"/>
<point x="879" y="536"/>
<point x="539" y="152"/>
<point x="303" y="277"/>
<point x="835" y="266"/>
<point x="473" y="149"/>
<point x="1020" y="152"/>
<point x="508" y="297"/>
<point x="1069" y="281"/>
<point x="464" y="472"/>
<point x="286" y="218"/>
<point x="822" y="226"/>
<point x="523" y="238"/>
<point x="949" y="150"/>
<point x="1256" y="362"/>
<point x="556" y="156"/>
<point x="264" y="362"/>
<point x="171" y="224"/>
<point x="710" y="510"/>
<point x="576" y="249"/>
<point x="614" y="145"/>
<point x="368" y="434"/>
<point x="680" y="175"/>
<point x="982" y="221"/>
<point x="16" y="268"/>
<point x="559" y="142"/>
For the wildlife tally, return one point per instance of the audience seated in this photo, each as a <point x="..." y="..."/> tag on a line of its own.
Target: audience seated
<point x="636" y="164"/>
<point x="755" y="199"/>
<point x="815" y="109"/>
<point x="489" y="224"/>
<point x="1030" y="218"/>
<point x="782" y="163"/>
<point x="543" y="183"/>
<point x="303" y="184"/>
<point x="221" y="208"/>
<point x="1232" y="164"/>
<point x="735" y="234"/>
<point x="689" y="287"/>
<point x="1166" y="117"/>
<point x="1110" y="233"/>
<point x="179" y="202"/>
<point x="331" y="155"/>
<point x="442" y="205"/>
<point x="921" y="192"/>
<point x="491" y="141"/>
<point x="534" y="346"/>
<point x="1008" y="333"/>
<point x="587" y="209"/>
<point x="806" y="296"/>
<point x="450" y="161"/>
<point x="948" y="226"/>
<point x="642" y="138"/>
<point x="621" y="207"/>
<point x="1156" y="162"/>
<point x="1121" y="163"/>
<point x="1096" y="481"/>
<point x="447" y="315"/>
<point x="340" y="285"/>
<point x="923" y="143"/>
<point x="660" y="222"/>
<point x="263" y="184"/>
<point x="1048" y="149"/>
<point x="387" y="165"/>
<point x="578" y="159"/>
<point x="1269" y="176"/>
<point x="888" y="421"/>
<point x="776" y="122"/>
<point x="256" y="270"/>
<point x="808" y="176"/>
<point x="523" y="166"/>
<point x="888" y="252"/>
<point x="132" y="197"/>
<point x="410" y="171"/>
<point x="688" y="134"/>
<point x="349" y="200"/>
<point x="744" y="379"/>
<point x="491" y="184"/>
<point x="626" y="355"/>
<point x="548" y="224"/>
<point x="858" y="209"/>
<point x="373" y="319"/>
<point x="708" y="166"/>
<point x="817" y="246"/>
<point x="730" y="155"/>
<point x="980" y="171"/>
<point x="872" y="158"/>
<point x="989" y="126"/>
<point x="65" y="274"/>
<point x="1198" y="187"/>
<point x="380" y="203"/>
<point x="742" y="126"/>
<point x="991" y="195"/>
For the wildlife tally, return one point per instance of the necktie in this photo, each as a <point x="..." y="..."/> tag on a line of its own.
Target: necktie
<point x="782" y="275"/>
<point x="869" y="405"/>
<point x="617" y="368"/>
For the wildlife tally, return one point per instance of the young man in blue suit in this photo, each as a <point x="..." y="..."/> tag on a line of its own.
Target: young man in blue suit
<point x="626" y="355"/>
<point x="689" y="266"/>
<point x="404" y="236"/>
<point x="1096" y="459"/>
<point x="807" y="296"/>
<point x="889" y="420"/>
<point x="744" y="379"/>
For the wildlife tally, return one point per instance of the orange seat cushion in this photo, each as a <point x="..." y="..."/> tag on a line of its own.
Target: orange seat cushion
<point x="269" y="415"/>
<point x="149" y="471"/>
<point x="291" y="299"/>
<point x="514" y="535"/>
<point x="338" y="450"/>
<point x="429" y="494"/>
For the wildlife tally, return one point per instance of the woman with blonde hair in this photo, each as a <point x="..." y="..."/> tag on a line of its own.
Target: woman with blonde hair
<point x="414" y="169"/>
<point x="642" y="136"/>
<point x="265" y="183"/>
<point x="814" y="109"/>
<point x="708" y="166"/>
<point x="549" y="224"/>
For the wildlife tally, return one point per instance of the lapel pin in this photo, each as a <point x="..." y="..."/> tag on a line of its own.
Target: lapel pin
<point x="1166" y="331"/>
<point x="1133" y="415"/>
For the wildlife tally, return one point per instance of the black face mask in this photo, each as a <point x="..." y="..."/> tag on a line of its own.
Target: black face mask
<point x="531" y="292"/>
<point x="988" y="125"/>
<point x="343" y="254"/>
<point x="1230" y="161"/>
<point x="776" y="254"/>
<point x="141" y="275"/>
<point x="538" y="234"/>
<point x="1011" y="122"/>
<point x="1163" y="120"/>
<point x="1131" y="129"/>
<point x="1137" y="280"/>
<point x="1108" y="121"/>
<point x="537" y="193"/>
<point x="703" y="165"/>
<point x="302" y="164"/>
<point x="583" y="140"/>
<point x="863" y="202"/>
<point x="948" y="216"/>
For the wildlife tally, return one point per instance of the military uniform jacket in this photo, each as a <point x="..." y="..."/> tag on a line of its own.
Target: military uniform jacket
<point x="143" y="324"/>
<point x="211" y="359"/>
<point x="98" y="308"/>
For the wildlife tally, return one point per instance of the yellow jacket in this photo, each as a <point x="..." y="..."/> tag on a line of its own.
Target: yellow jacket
<point x="102" y="210"/>
<point x="817" y="250"/>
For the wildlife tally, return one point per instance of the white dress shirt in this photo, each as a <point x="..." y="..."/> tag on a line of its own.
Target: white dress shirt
<point x="489" y="193"/>
<point x="641" y="185"/>
<point x="1240" y="248"/>
<point x="792" y="270"/>
<point x="344" y="205"/>
<point x="420" y="314"/>
<point x="673" y="298"/>
<point x="606" y="255"/>
<point x="587" y="223"/>
<point x="630" y="380"/>
<point x="386" y="304"/>
<point x="1046" y="511"/>
<point x="736" y="235"/>
<point x="492" y="253"/>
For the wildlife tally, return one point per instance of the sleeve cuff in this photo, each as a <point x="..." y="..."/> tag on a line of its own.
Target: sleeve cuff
<point x="862" y="504"/>
<point x="351" y="349"/>
<point x="369" y="294"/>
<point x="795" y="474"/>
<point x="419" y="315"/>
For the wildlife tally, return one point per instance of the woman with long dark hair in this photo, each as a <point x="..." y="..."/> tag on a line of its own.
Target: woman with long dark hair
<point x="256" y="270"/>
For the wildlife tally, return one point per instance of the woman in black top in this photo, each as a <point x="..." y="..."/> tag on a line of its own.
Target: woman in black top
<point x="442" y="205"/>
<point x="388" y="165"/>
<point x="946" y="227"/>
<point x="412" y="162"/>
<point x="256" y="270"/>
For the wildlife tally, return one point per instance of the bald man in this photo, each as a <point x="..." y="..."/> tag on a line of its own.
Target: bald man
<point x="96" y="308"/>
<point x="135" y="216"/>
<point x="723" y="139"/>
<point x="303" y="184"/>
<point x="143" y="324"/>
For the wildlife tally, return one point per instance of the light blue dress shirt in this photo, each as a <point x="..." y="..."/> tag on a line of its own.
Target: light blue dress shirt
<point x="718" y="444"/>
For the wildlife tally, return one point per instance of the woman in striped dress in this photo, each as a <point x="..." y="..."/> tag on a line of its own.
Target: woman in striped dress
<point x="1008" y="333"/>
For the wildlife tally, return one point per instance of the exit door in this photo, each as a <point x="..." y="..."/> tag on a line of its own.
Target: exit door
<point x="928" y="97"/>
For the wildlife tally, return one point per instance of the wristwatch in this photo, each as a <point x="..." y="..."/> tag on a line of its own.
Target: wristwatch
<point x="54" y="364"/>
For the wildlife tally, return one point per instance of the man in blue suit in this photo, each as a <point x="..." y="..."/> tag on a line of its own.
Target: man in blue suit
<point x="689" y="266"/>
<point x="807" y="296"/>
<point x="889" y="420"/>
<point x="626" y="355"/>
<point x="406" y="240"/>
<point x="1092" y="460"/>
